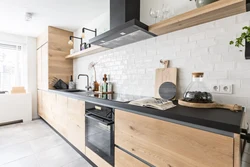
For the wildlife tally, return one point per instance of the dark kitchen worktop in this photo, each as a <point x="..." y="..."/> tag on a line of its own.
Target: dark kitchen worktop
<point x="220" y="121"/>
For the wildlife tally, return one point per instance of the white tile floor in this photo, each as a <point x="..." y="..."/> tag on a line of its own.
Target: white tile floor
<point x="35" y="144"/>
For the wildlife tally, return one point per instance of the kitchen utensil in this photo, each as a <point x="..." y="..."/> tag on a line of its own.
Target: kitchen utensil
<point x="167" y="90"/>
<point x="164" y="75"/>
<point x="231" y="107"/>
<point x="197" y="91"/>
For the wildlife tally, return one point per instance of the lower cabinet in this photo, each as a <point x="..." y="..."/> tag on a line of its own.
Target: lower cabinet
<point x="122" y="159"/>
<point x="64" y="114"/>
<point x="165" y="144"/>
<point x="96" y="158"/>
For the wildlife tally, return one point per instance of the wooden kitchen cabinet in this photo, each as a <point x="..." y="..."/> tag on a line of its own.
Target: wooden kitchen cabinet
<point x="96" y="158"/>
<point x="64" y="114"/>
<point x="122" y="159"/>
<point x="52" y="47"/>
<point x="162" y="143"/>
<point x="76" y="123"/>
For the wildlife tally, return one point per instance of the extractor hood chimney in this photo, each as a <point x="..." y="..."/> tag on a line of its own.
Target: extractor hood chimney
<point x="125" y="27"/>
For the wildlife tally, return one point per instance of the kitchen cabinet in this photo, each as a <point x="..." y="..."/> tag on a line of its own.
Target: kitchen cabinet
<point x="163" y="143"/>
<point x="123" y="159"/>
<point x="52" y="47"/>
<point x="76" y="123"/>
<point x="96" y="159"/>
<point x="64" y="114"/>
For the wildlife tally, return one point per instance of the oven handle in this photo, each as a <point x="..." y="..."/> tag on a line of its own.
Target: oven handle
<point x="96" y="118"/>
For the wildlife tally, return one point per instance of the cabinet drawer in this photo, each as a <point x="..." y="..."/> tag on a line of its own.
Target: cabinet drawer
<point x="76" y="135"/>
<point x="163" y="143"/>
<point x="122" y="159"/>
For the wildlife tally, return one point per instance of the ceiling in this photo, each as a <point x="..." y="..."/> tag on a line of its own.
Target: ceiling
<point x="65" y="14"/>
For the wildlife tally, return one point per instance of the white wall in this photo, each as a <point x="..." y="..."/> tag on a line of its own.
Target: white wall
<point x="201" y="48"/>
<point x="29" y="44"/>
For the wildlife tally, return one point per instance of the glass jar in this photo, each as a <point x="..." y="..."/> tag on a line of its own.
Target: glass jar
<point x="197" y="92"/>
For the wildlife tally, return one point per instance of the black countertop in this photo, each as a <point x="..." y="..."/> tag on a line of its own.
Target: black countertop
<point x="206" y="119"/>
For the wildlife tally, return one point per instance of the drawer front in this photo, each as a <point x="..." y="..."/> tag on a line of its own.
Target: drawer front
<point x="122" y="159"/>
<point x="163" y="143"/>
<point x="96" y="159"/>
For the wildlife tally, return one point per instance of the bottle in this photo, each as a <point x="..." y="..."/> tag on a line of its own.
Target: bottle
<point x="104" y="84"/>
<point x="110" y="85"/>
<point x="72" y="84"/>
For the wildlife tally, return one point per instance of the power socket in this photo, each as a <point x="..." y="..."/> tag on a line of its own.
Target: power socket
<point x="216" y="88"/>
<point x="222" y="89"/>
<point x="226" y="89"/>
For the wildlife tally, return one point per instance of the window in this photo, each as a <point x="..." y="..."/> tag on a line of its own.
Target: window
<point x="11" y="66"/>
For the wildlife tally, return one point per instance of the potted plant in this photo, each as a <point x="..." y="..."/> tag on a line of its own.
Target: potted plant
<point x="243" y="40"/>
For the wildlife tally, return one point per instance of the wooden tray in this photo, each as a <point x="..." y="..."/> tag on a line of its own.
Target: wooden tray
<point x="231" y="107"/>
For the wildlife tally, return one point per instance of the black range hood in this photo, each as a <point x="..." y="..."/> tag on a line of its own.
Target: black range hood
<point x="124" y="24"/>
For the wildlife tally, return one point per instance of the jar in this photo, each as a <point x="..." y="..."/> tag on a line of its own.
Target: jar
<point x="197" y="92"/>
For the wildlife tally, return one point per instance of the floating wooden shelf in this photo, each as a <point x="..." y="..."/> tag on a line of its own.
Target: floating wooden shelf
<point x="94" y="49"/>
<point x="211" y="12"/>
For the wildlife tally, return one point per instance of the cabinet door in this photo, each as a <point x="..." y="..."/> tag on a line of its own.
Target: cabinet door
<point x="39" y="68"/>
<point x="76" y="123"/>
<point x="39" y="104"/>
<point x="122" y="159"/>
<point x="60" y="113"/>
<point x="44" y="67"/>
<point x="164" y="143"/>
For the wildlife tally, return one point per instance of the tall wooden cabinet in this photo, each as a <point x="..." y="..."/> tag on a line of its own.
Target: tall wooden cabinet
<point x="52" y="47"/>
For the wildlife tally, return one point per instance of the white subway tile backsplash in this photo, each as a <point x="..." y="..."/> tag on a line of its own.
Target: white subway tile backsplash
<point x="224" y="66"/>
<point x="202" y="48"/>
<point x="197" y="37"/>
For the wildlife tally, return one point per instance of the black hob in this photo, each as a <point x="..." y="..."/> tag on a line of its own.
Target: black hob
<point x="117" y="97"/>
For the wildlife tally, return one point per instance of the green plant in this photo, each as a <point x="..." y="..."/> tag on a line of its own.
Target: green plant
<point x="245" y="36"/>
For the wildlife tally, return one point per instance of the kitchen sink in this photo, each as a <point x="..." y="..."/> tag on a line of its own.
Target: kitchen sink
<point x="71" y="90"/>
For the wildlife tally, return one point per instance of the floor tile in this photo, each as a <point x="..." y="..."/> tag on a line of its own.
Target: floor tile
<point x="246" y="158"/>
<point x="79" y="163"/>
<point x="23" y="162"/>
<point x="57" y="156"/>
<point x="47" y="142"/>
<point x="15" y="152"/>
<point x="244" y="164"/>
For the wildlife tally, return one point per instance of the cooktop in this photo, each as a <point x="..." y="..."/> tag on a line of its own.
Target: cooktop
<point x="117" y="97"/>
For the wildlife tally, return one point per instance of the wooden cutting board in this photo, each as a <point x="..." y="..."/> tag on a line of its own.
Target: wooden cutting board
<point x="164" y="75"/>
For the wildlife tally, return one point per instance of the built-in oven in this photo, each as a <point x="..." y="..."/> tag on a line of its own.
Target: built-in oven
<point x="99" y="131"/>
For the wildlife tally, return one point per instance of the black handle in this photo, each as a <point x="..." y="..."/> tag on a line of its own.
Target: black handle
<point x="99" y="119"/>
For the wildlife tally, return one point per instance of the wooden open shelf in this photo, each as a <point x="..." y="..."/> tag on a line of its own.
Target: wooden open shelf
<point x="92" y="50"/>
<point x="211" y="12"/>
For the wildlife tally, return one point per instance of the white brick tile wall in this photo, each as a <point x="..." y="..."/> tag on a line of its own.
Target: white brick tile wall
<point x="201" y="48"/>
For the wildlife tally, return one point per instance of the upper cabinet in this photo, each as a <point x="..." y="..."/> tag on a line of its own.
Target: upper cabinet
<point x="52" y="48"/>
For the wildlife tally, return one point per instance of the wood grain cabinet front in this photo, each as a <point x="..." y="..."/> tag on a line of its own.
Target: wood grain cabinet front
<point x="122" y="159"/>
<point x="66" y="115"/>
<point x="165" y="144"/>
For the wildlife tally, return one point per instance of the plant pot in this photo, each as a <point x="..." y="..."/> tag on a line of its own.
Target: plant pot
<point x="200" y="3"/>
<point x="247" y="50"/>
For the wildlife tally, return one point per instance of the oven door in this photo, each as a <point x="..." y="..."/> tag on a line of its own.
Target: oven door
<point x="99" y="133"/>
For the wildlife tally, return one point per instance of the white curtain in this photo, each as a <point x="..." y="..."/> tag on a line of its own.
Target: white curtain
<point x="11" y="66"/>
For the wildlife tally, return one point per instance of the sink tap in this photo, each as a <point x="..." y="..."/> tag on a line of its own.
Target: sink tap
<point x="85" y="75"/>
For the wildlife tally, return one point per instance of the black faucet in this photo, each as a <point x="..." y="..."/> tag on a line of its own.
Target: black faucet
<point x="85" y="75"/>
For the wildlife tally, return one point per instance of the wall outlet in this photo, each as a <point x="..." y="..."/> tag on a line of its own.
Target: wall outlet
<point x="226" y="89"/>
<point x="216" y="88"/>
<point x="222" y="89"/>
